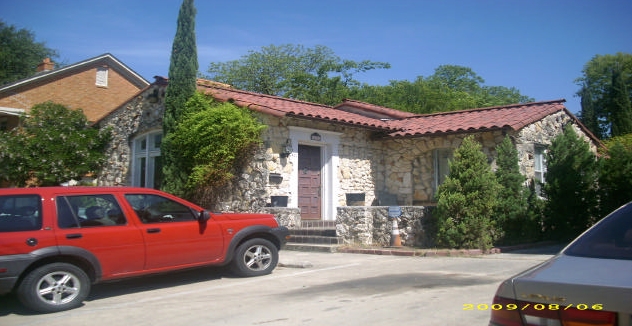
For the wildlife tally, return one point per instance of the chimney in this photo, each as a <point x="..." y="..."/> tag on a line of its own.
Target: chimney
<point x="45" y="65"/>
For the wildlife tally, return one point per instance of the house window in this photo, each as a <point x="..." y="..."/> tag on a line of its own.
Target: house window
<point x="539" y="167"/>
<point x="102" y="77"/>
<point x="147" y="169"/>
<point x="4" y="123"/>
<point x="441" y="158"/>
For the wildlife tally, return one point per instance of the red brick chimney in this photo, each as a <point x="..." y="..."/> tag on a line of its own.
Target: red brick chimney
<point x="45" y="65"/>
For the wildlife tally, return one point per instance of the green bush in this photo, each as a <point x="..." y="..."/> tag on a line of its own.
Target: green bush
<point x="615" y="174"/>
<point x="53" y="145"/>
<point x="213" y="141"/>
<point x="571" y="186"/>
<point x="467" y="199"/>
<point x="516" y="213"/>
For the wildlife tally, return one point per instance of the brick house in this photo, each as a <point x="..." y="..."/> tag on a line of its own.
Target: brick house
<point x="333" y="164"/>
<point x="96" y="85"/>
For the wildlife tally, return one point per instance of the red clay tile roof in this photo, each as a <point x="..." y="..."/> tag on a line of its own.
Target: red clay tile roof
<point x="279" y="106"/>
<point x="514" y="116"/>
<point x="392" y="122"/>
<point x="371" y="110"/>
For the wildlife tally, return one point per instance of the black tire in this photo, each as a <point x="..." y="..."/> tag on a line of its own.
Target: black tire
<point x="255" y="257"/>
<point x="54" y="287"/>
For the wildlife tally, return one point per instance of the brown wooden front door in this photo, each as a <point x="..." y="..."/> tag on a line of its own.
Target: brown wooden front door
<point x="309" y="181"/>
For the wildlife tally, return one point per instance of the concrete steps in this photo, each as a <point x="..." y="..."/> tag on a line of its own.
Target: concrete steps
<point x="317" y="236"/>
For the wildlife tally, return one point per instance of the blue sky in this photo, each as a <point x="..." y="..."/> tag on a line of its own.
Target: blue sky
<point x="537" y="46"/>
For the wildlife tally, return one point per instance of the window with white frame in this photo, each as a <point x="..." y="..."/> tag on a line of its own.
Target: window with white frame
<point x="539" y="167"/>
<point x="147" y="164"/>
<point x="102" y="77"/>
<point x="441" y="158"/>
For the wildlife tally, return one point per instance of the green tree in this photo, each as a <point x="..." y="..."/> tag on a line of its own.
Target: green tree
<point x="450" y="88"/>
<point x="53" y="145"/>
<point x="215" y="141"/>
<point x="183" y="70"/>
<point x="620" y="107"/>
<point x="20" y="53"/>
<point x="293" y="71"/>
<point x="512" y="212"/>
<point x="571" y="186"/>
<point x="615" y="174"/>
<point x="467" y="200"/>
<point x="588" y="115"/>
<point x="596" y="85"/>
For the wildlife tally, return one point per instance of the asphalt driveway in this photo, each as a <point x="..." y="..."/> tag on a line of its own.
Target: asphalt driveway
<point x="307" y="288"/>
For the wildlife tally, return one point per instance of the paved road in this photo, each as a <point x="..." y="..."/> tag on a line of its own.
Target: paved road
<point x="330" y="289"/>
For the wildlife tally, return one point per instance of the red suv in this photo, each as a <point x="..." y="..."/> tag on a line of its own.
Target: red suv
<point x="55" y="242"/>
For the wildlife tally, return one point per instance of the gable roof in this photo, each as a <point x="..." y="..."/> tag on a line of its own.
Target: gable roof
<point x="515" y="116"/>
<point x="391" y="122"/>
<point x="49" y="75"/>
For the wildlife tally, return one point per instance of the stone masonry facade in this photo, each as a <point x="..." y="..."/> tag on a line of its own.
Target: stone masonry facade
<point x="387" y="171"/>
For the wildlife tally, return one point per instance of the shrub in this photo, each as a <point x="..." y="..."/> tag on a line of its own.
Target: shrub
<point x="54" y="144"/>
<point x="467" y="199"/>
<point x="214" y="141"/>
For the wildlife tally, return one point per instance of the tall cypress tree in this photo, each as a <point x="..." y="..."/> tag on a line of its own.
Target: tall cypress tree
<point x="620" y="106"/>
<point x="183" y="70"/>
<point x="571" y="186"/>
<point x="511" y="212"/>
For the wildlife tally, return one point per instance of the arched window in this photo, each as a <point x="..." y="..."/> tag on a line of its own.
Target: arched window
<point x="147" y="163"/>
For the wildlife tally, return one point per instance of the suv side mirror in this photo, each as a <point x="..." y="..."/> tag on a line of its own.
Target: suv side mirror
<point x="204" y="216"/>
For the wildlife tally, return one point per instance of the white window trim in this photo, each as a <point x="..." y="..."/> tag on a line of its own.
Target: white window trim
<point x="149" y="153"/>
<point x="102" y="77"/>
<point x="436" y="165"/>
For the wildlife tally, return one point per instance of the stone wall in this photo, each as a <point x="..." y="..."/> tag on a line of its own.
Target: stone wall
<point x="371" y="226"/>
<point x="408" y="168"/>
<point x="541" y="133"/>
<point x="141" y="114"/>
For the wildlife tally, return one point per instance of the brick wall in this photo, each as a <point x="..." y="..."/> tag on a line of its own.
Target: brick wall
<point x="75" y="90"/>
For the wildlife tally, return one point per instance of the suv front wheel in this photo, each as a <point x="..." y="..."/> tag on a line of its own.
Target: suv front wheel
<point x="54" y="287"/>
<point x="255" y="257"/>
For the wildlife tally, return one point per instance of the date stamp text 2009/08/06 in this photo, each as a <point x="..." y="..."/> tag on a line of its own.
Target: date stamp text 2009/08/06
<point x="532" y="306"/>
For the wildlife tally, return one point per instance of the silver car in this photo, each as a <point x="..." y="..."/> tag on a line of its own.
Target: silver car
<point x="588" y="283"/>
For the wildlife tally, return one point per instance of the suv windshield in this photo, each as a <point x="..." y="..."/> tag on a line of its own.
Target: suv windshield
<point x="610" y="239"/>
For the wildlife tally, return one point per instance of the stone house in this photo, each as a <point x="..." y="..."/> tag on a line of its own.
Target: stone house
<point x="96" y="85"/>
<point x="340" y="165"/>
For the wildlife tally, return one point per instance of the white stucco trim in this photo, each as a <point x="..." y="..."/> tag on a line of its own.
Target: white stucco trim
<point x="11" y="111"/>
<point x="329" y="144"/>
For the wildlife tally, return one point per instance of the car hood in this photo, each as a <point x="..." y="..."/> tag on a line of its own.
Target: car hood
<point x="571" y="281"/>
<point x="244" y="216"/>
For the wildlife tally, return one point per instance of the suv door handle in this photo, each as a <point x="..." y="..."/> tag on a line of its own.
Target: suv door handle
<point x="155" y="230"/>
<point x="74" y="236"/>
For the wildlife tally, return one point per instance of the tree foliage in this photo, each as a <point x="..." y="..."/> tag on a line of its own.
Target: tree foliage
<point x="571" y="186"/>
<point x="600" y="102"/>
<point x="467" y="200"/>
<point x="615" y="174"/>
<point x="515" y="214"/>
<point x="54" y="144"/>
<point x="293" y="71"/>
<point x="183" y="69"/>
<point x="450" y="88"/>
<point x="215" y="140"/>
<point x="20" y="53"/>
<point x="620" y="106"/>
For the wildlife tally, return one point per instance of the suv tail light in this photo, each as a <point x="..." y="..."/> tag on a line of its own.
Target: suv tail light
<point x="509" y="312"/>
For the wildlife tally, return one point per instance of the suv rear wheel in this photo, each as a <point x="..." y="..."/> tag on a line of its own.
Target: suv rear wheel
<point x="54" y="287"/>
<point x="255" y="257"/>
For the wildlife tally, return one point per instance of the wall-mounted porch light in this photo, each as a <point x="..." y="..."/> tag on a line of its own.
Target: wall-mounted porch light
<point x="286" y="149"/>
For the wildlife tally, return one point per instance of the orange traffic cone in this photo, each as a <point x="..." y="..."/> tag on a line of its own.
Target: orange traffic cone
<point x="396" y="240"/>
